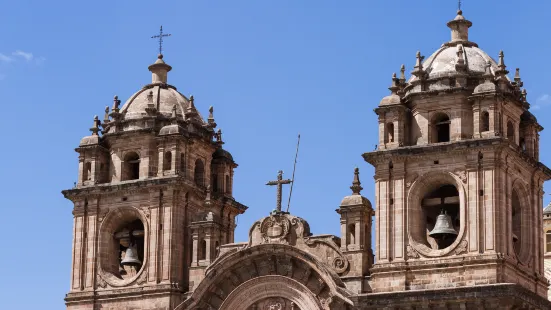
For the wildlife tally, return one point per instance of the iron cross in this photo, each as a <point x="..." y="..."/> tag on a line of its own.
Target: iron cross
<point x="160" y="36"/>
<point x="279" y="182"/>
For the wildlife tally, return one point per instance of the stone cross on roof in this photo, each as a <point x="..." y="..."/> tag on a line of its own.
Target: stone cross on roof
<point x="279" y="182"/>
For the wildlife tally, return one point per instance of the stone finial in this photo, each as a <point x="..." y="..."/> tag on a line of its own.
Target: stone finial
<point x="95" y="127"/>
<point x="403" y="74"/>
<point x="116" y="103"/>
<point x="174" y="111"/>
<point x="488" y="72"/>
<point x="501" y="67"/>
<point x="460" y="62"/>
<point x="517" y="79"/>
<point x="501" y="64"/>
<point x="191" y="111"/>
<point x="150" y="97"/>
<point x="356" y="185"/>
<point x="219" y="136"/>
<point x="173" y="115"/>
<point x="418" y="69"/>
<point x="524" y="95"/>
<point x="395" y="86"/>
<point x="210" y="120"/>
<point x="106" y="115"/>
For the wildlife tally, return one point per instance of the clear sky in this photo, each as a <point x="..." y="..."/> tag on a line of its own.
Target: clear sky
<point x="271" y="69"/>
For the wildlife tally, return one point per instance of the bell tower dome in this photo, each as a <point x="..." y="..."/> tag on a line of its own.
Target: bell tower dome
<point x="143" y="205"/>
<point x="458" y="180"/>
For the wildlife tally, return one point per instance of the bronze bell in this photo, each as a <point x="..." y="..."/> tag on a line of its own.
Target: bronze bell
<point x="443" y="227"/>
<point x="131" y="257"/>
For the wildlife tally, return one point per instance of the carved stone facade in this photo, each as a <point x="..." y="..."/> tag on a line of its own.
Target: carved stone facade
<point x="458" y="214"/>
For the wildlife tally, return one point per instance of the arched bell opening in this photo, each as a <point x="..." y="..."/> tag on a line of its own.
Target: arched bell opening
<point x="485" y="121"/>
<point x="167" y="161"/>
<point x="130" y="239"/>
<point x="440" y="128"/>
<point x="131" y="167"/>
<point x="122" y="246"/>
<point x="87" y="172"/>
<point x="389" y="137"/>
<point x="441" y="212"/>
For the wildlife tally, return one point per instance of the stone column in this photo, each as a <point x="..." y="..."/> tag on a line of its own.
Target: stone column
<point x="195" y="256"/>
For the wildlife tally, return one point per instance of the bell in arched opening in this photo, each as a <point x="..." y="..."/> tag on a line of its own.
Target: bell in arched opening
<point x="443" y="228"/>
<point x="131" y="257"/>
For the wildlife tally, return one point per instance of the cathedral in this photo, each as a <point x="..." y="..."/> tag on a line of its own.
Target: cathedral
<point x="458" y="209"/>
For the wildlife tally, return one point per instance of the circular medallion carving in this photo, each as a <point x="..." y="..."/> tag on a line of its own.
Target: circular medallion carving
<point x="275" y="228"/>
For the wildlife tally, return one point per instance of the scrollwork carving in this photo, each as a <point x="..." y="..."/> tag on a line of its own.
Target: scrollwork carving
<point x="411" y="253"/>
<point x="142" y="278"/>
<point x="462" y="175"/>
<point x="461" y="247"/>
<point x="101" y="282"/>
<point x="410" y="179"/>
<point x="340" y="264"/>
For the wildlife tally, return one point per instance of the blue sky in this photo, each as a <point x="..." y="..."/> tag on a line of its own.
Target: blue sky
<point x="271" y="69"/>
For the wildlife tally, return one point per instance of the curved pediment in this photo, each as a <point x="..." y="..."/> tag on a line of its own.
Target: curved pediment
<point x="227" y="277"/>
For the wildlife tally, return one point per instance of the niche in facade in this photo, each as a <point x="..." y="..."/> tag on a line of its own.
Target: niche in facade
<point x="441" y="212"/>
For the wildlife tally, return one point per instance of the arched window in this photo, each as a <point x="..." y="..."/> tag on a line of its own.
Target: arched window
<point x="517" y="224"/>
<point x="199" y="173"/>
<point x="485" y="121"/>
<point x="131" y="168"/>
<point x="87" y="171"/>
<point x="203" y="249"/>
<point x="510" y="131"/>
<point x="389" y="132"/>
<point x="351" y="234"/>
<point x="522" y="144"/>
<point x="441" y="128"/>
<point x="548" y="241"/>
<point x="228" y="187"/>
<point x="167" y="161"/>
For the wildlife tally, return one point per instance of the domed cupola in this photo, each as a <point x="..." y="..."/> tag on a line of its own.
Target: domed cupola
<point x="458" y="63"/>
<point x="156" y="105"/>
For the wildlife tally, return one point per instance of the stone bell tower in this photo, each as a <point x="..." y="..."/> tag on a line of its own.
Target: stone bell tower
<point x="458" y="180"/>
<point x="152" y="203"/>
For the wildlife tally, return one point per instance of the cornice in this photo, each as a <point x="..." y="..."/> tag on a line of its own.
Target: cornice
<point x="428" y="151"/>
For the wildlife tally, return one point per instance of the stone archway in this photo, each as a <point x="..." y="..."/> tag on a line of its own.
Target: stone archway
<point x="271" y="292"/>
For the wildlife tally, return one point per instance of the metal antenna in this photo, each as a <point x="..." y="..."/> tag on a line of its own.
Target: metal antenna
<point x="293" y="178"/>
<point x="160" y="36"/>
